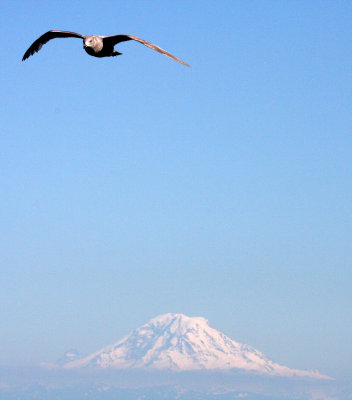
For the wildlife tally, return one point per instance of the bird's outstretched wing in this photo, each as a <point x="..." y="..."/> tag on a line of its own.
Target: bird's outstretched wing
<point x="123" y="38"/>
<point x="38" y="44"/>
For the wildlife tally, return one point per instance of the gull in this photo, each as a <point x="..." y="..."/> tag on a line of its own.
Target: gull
<point x="95" y="45"/>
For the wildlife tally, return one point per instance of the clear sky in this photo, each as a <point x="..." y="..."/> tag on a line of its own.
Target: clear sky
<point x="134" y="186"/>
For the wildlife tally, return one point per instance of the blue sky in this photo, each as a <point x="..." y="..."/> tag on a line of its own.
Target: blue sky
<point x="134" y="186"/>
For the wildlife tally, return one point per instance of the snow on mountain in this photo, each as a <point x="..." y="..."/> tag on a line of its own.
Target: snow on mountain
<point x="180" y="343"/>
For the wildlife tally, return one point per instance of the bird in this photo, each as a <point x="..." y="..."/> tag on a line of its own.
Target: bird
<point x="94" y="45"/>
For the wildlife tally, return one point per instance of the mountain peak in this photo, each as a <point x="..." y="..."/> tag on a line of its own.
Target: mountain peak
<point x="180" y="321"/>
<point x="181" y="343"/>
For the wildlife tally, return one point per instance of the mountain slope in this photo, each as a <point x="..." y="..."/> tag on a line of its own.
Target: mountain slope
<point x="180" y="343"/>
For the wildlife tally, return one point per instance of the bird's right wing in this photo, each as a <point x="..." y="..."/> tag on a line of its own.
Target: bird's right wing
<point x="38" y="44"/>
<point x="123" y="38"/>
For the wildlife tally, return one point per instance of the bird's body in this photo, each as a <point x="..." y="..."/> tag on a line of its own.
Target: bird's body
<point x="94" y="45"/>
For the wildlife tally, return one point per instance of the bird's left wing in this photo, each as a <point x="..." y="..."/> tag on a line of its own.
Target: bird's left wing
<point x="123" y="38"/>
<point x="38" y="44"/>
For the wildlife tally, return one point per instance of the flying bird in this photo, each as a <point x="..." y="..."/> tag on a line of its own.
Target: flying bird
<point x="95" y="45"/>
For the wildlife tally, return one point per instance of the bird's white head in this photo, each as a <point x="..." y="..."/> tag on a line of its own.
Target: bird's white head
<point x="89" y="41"/>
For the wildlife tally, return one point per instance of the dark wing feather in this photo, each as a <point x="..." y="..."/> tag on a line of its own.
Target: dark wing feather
<point x="38" y="44"/>
<point x="123" y="38"/>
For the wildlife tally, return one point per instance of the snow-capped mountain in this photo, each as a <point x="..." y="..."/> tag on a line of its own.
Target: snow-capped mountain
<point x="180" y="343"/>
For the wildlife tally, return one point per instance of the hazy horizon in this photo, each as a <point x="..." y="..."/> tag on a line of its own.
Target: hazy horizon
<point x="39" y="382"/>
